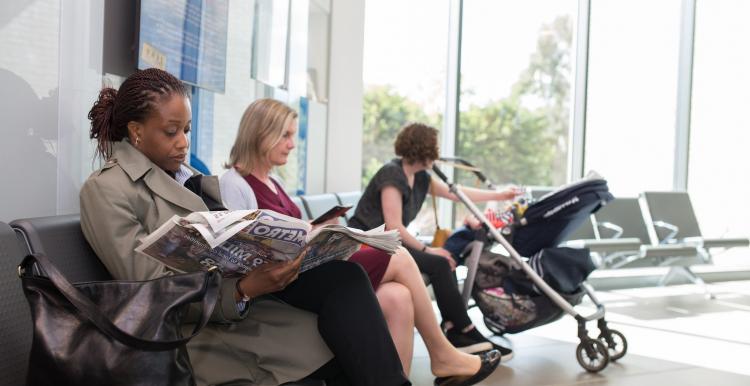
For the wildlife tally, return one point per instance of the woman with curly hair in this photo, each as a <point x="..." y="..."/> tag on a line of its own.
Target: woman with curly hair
<point x="394" y="196"/>
<point x="265" y="139"/>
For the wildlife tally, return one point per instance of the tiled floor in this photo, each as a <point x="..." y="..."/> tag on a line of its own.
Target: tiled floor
<point x="676" y="336"/>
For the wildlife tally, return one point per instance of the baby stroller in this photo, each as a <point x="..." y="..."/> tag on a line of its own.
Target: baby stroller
<point x="542" y="293"/>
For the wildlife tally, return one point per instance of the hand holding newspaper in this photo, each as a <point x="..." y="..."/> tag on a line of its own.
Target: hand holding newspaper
<point x="239" y="241"/>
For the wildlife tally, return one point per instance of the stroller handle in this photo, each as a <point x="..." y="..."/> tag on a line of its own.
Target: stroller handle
<point x="460" y="161"/>
<point x="440" y="174"/>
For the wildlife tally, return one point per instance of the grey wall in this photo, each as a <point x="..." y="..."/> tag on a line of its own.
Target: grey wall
<point x="344" y="149"/>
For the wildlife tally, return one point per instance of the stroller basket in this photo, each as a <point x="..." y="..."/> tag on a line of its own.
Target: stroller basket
<point x="514" y="313"/>
<point x="511" y="303"/>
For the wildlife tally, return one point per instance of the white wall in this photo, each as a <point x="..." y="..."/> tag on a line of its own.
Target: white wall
<point x="344" y="149"/>
<point x="316" y="147"/>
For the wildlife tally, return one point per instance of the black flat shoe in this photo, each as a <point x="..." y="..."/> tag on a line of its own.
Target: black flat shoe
<point x="490" y="360"/>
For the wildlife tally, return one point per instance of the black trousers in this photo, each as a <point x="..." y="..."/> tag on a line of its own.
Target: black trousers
<point x="445" y="286"/>
<point x="350" y="322"/>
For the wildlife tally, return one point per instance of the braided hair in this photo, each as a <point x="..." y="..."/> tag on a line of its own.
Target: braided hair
<point x="135" y="101"/>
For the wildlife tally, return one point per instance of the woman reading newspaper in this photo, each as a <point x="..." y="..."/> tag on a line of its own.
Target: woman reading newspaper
<point x="264" y="140"/>
<point x="327" y="324"/>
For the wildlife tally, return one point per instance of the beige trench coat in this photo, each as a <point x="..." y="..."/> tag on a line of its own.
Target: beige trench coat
<point x="129" y="198"/>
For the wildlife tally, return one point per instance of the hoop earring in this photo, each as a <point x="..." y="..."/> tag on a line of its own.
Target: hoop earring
<point x="137" y="141"/>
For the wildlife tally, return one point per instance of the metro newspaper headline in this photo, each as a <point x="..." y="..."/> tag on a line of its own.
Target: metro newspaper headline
<point x="237" y="242"/>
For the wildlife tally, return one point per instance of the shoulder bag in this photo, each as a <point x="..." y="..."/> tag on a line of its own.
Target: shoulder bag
<point x="112" y="332"/>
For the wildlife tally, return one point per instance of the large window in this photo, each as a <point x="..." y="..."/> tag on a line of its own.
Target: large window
<point x="515" y="94"/>
<point x="404" y="75"/>
<point x="318" y="37"/>
<point x="516" y="89"/>
<point x="632" y="93"/>
<point x="270" y="34"/>
<point x="719" y="162"/>
<point x="263" y="61"/>
<point x="516" y="62"/>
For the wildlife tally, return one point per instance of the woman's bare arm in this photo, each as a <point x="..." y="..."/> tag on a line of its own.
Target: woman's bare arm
<point x="441" y="190"/>
<point x="391" y="202"/>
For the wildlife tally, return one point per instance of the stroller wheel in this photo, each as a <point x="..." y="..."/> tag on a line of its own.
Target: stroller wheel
<point x="592" y="355"/>
<point x="618" y="346"/>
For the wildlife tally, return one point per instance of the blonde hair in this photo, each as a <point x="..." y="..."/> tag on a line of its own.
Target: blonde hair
<point x="261" y="128"/>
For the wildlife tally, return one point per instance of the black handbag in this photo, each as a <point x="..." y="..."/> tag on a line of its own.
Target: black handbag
<point x="112" y="332"/>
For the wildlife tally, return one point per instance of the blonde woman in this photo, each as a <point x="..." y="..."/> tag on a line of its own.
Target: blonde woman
<point x="264" y="140"/>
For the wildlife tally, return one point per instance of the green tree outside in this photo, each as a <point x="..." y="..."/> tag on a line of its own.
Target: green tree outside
<point x="521" y="139"/>
<point x="385" y="112"/>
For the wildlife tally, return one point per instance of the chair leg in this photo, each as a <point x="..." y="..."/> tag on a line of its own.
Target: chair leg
<point x="671" y="274"/>
<point x="688" y="274"/>
<point x="697" y="280"/>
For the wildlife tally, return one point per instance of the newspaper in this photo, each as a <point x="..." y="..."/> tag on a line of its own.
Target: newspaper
<point x="237" y="242"/>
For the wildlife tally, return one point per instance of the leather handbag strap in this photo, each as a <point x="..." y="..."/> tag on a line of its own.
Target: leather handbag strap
<point x="88" y="309"/>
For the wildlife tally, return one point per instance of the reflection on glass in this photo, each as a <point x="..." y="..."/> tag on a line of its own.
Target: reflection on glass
<point x="29" y="75"/>
<point x="632" y="93"/>
<point x="317" y="50"/>
<point x="719" y="162"/>
<point x="270" y="32"/>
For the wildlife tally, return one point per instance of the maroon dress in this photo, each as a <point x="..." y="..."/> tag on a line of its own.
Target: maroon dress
<point x="374" y="261"/>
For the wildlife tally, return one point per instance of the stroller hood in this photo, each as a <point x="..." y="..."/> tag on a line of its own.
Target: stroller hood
<point x="549" y="221"/>
<point x="568" y="202"/>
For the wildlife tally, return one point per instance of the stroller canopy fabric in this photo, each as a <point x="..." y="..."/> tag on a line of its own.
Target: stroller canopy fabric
<point x="550" y="220"/>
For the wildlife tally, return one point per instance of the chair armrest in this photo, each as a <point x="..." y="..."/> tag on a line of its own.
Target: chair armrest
<point x="726" y="243"/>
<point x="616" y="229"/>
<point x="673" y="229"/>
<point x="606" y="245"/>
<point x="669" y="250"/>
